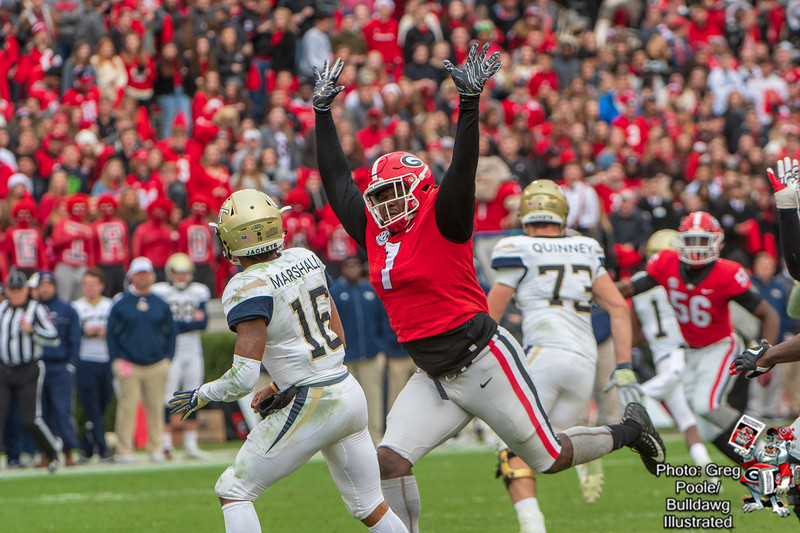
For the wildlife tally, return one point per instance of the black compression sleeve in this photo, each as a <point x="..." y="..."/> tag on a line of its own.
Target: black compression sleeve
<point x="748" y="299"/>
<point x="343" y="194"/>
<point x="790" y="240"/>
<point x="455" y="203"/>
<point x="642" y="284"/>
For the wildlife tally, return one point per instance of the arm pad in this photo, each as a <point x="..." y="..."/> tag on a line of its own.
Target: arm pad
<point x="236" y="383"/>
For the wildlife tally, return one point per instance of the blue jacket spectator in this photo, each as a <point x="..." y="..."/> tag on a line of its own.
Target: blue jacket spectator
<point x="361" y="312"/>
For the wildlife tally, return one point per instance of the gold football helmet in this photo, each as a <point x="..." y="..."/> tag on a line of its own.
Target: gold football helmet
<point x="249" y="223"/>
<point x="179" y="264"/>
<point x="663" y="239"/>
<point x="543" y="201"/>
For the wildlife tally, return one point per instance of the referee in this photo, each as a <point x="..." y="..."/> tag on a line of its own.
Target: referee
<point x="24" y="329"/>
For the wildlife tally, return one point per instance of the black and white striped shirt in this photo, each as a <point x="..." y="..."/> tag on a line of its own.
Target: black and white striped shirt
<point x="18" y="347"/>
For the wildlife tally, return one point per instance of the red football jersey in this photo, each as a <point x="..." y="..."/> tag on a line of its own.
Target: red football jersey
<point x="110" y="242"/>
<point x="426" y="283"/>
<point x="702" y="310"/>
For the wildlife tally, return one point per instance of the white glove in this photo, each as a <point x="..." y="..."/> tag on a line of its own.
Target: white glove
<point x="785" y="183"/>
<point x="627" y="386"/>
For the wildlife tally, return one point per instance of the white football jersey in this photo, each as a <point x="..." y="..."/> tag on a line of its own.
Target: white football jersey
<point x="94" y="349"/>
<point x="292" y="291"/>
<point x="553" y="278"/>
<point x="659" y="322"/>
<point x="183" y="303"/>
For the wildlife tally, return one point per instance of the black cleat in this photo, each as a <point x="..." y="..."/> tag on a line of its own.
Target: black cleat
<point x="649" y="444"/>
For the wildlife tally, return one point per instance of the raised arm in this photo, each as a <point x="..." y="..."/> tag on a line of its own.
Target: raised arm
<point x="343" y="195"/>
<point x="786" y="200"/>
<point x="455" y="203"/>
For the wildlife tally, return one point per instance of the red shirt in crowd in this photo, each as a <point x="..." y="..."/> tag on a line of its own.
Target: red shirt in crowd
<point x="196" y="240"/>
<point x="110" y="237"/>
<point x="72" y="242"/>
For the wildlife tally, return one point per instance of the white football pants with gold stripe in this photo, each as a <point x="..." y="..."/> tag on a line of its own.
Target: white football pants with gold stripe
<point x="330" y="419"/>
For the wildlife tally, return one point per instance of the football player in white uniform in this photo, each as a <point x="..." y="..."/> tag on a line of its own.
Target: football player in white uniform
<point x="281" y="311"/>
<point x="555" y="279"/>
<point x="660" y="328"/>
<point x="187" y="300"/>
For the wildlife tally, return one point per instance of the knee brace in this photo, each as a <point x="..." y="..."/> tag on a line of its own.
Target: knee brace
<point x="505" y="471"/>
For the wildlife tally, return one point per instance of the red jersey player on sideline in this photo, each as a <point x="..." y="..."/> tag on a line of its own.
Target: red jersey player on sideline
<point x="23" y="247"/>
<point x="700" y="285"/>
<point x="196" y="239"/>
<point x="418" y="240"/>
<point x="72" y="241"/>
<point x="110" y="245"/>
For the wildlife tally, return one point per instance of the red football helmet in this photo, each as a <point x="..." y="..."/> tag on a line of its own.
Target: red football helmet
<point x="699" y="239"/>
<point x="411" y="181"/>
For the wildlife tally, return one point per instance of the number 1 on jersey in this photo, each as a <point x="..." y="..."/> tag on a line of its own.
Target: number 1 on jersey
<point x="391" y="252"/>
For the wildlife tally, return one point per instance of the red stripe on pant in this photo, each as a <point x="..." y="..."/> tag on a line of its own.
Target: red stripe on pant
<point x="540" y="431"/>
<point x="722" y="376"/>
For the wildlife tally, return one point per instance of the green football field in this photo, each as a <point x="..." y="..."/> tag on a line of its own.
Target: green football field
<point x="457" y="486"/>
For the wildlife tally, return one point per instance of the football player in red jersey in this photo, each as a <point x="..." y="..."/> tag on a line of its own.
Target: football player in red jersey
<point x="700" y="285"/>
<point x="418" y="240"/>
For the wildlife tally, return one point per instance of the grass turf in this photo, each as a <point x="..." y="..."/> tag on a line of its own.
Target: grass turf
<point x="458" y="490"/>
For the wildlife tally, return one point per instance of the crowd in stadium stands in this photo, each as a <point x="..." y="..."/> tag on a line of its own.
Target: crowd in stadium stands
<point x="125" y="124"/>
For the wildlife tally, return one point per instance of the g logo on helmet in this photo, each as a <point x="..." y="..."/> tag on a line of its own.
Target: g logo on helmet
<point x="411" y="161"/>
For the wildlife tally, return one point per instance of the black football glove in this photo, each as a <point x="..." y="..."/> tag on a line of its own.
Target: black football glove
<point x="325" y="89"/>
<point x="476" y="72"/>
<point x="747" y="361"/>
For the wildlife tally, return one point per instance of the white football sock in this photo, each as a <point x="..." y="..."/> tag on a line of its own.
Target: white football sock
<point x="167" y="439"/>
<point x="699" y="454"/>
<point x="531" y="519"/>
<point x="402" y="497"/>
<point x="240" y="517"/>
<point x="190" y="439"/>
<point x="389" y="523"/>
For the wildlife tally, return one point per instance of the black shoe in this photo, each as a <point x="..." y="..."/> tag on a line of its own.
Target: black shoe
<point x="649" y="444"/>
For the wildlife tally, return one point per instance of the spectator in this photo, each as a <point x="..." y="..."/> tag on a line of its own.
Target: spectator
<point x="23" y="246"/>
<point x="60" y="363"/>
<point x="72" y="244"/>
<point x="316" y="43"/>
<point x="140" y="67"/>
<point x="737" y="216"/>
<point x="382" y="34"/>
<point x="360" y="312"/>
<point x="109" y="69"/>
<point x="26" y="322"/>
<point x="152" y="239"/>
<point x="141" y="342"/>
<point x="111" y="247"/>
<point x="631" y="231"/>
<point x="173" y="88"/>
<point x="93" y="374"/>
<point x="584" y="204"/>
<point x="196" y="240"/>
